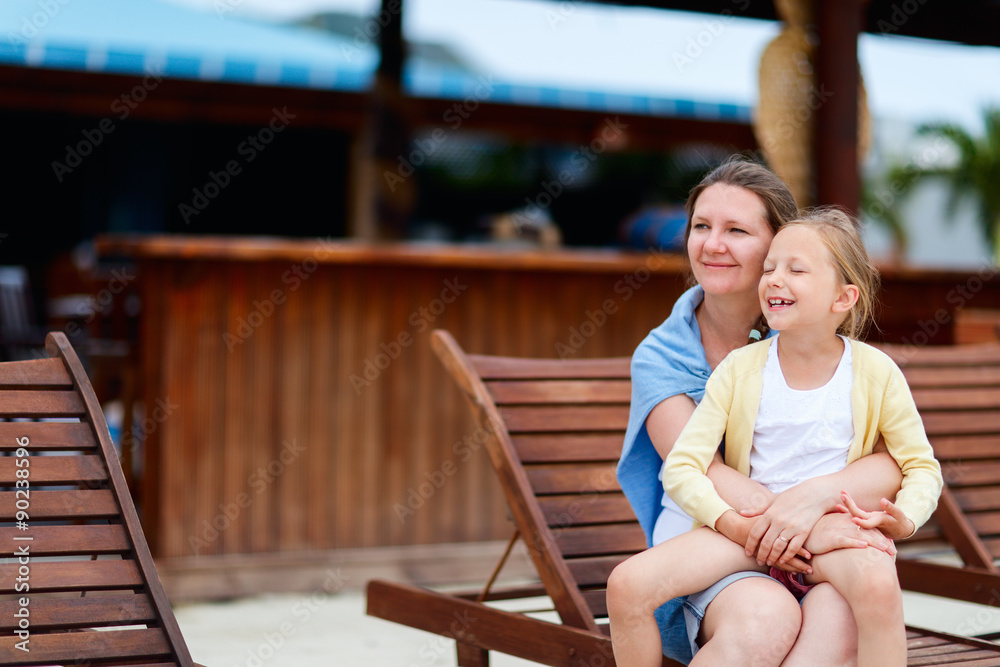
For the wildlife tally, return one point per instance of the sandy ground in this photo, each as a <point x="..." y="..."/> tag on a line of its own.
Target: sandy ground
<point x="313" y="630"/>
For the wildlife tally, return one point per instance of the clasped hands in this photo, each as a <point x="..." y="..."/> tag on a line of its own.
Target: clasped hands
<point x="792" y="527"/>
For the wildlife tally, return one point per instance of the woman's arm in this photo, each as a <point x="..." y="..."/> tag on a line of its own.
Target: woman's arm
<point x="666" y="421"/>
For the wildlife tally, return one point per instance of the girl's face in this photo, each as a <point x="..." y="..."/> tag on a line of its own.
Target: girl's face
<point x="729" y="239"/>
<point x="801" y="287"/>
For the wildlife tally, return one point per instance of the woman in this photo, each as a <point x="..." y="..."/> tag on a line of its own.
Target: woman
<point x="746" y="618"/>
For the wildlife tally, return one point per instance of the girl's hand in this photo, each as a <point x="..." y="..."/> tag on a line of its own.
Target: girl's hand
<point x="892" y="522"/>
<point x="838" y="531"/>
<point x="782" y="529"/>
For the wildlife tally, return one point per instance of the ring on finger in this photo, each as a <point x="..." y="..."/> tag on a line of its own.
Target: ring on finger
<point x="785" y="539"/>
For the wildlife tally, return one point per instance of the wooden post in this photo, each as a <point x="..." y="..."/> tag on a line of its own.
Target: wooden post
<point x="836" y="129"/>
<point x="379" y="207"/>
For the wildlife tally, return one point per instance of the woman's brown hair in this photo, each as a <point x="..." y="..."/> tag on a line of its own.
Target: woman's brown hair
<point x="740" y="172"/>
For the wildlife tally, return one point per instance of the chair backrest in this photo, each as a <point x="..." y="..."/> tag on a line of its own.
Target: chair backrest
<point x="74" y="556"/>
<point x="557" y="426"/>
<point x="957" y="390"/>
<point x="556" y="432"/>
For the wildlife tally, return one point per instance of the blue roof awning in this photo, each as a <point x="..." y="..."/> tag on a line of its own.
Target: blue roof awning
<point x="140" y="37"/>
<point x="431" y="80"/>
<point x="149" y="36"/>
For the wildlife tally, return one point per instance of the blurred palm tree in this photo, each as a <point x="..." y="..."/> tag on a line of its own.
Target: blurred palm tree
<point x="975" y="174"/>
<point x="876" y="203"/>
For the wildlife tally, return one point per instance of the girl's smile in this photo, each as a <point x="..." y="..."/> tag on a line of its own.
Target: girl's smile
<point x="800" y="288"/>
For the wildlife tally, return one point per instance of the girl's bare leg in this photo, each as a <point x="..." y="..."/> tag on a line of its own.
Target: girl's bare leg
<point x="867" y="579"/>
<point x="829" y="636"/>
<point x="683" y="565"/>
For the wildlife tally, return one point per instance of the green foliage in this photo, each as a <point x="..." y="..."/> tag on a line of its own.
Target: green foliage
<point x="976" y="175"/>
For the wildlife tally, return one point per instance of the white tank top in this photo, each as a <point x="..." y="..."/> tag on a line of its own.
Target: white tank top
<point x="801" y="434"/>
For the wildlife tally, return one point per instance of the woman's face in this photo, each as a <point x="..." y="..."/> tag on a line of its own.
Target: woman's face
<point x="729" y="239"/>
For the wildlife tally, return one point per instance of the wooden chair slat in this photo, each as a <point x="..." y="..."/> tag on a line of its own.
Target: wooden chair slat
<point x="949" y="376"/>
<point x="976" y="473"/>
<point x="50" y="505"/>
<point x="47" y="435"/>
<point x="69" y="540"/>
<point x="964" y="447"/>
<point x="86" y="612"/>
<point x="943" y="423"/>
<point x="931" y="655"/>
<point x="40" y="404"/>
<point x="54" y="470"/>
<point x="561" y="391"/>
<point x="985" y="523"/>
<point x="567" y="448"/>
<point x="597" y="600"/>
<point x="600" y="540"/>
<point x="587" y="508"/>
<point x="978" y="658"/>
<point x="83" y="647"/>
<point x="588" y="572"/>
<point x="978" y="498"/>
<point x="74" y="575"/>
<point x="579" y="478"/>
<point x="35" y="374"/>
<point x="909" y="356"/>
<point x="975" y="398"/>
<point x="507" y="368"/>
<point x="569" y="418"/>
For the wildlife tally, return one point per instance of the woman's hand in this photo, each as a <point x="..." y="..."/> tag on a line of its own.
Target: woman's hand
<point x="737" y="527"/>
<point x="838" y="531"/>
<point x="891" y="521"/>
<point x="781" y="530"/>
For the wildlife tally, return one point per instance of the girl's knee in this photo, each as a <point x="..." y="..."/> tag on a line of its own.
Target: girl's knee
<point x="628" y="589"/>
<point x="875" y="582"/>
<point x="883" y="587"/>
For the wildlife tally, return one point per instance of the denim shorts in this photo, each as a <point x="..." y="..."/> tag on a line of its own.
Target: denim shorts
<point x="679" y="619"/>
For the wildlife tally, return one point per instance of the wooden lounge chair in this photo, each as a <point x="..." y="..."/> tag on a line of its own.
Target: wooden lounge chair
<point x="957" y="390"/>
<point x="556" y="433"/>
<point x="77" y="582"/>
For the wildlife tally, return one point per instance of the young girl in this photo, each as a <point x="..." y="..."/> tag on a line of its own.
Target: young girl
<point x="805" y="403"/>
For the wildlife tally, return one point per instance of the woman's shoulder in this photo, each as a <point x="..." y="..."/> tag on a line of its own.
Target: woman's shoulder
<point x="678" y="332"/>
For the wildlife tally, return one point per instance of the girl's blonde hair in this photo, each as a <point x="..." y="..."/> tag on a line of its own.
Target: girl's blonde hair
<point x="841" y="234"/>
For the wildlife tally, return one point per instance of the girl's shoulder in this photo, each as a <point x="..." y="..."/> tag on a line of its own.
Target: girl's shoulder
<point x="748" y="357"/>
<point x="870" y="361"/>
<point x="869" y="354"/>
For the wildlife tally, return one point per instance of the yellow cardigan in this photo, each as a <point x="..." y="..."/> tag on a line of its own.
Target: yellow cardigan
<point x="880" y="402"/>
